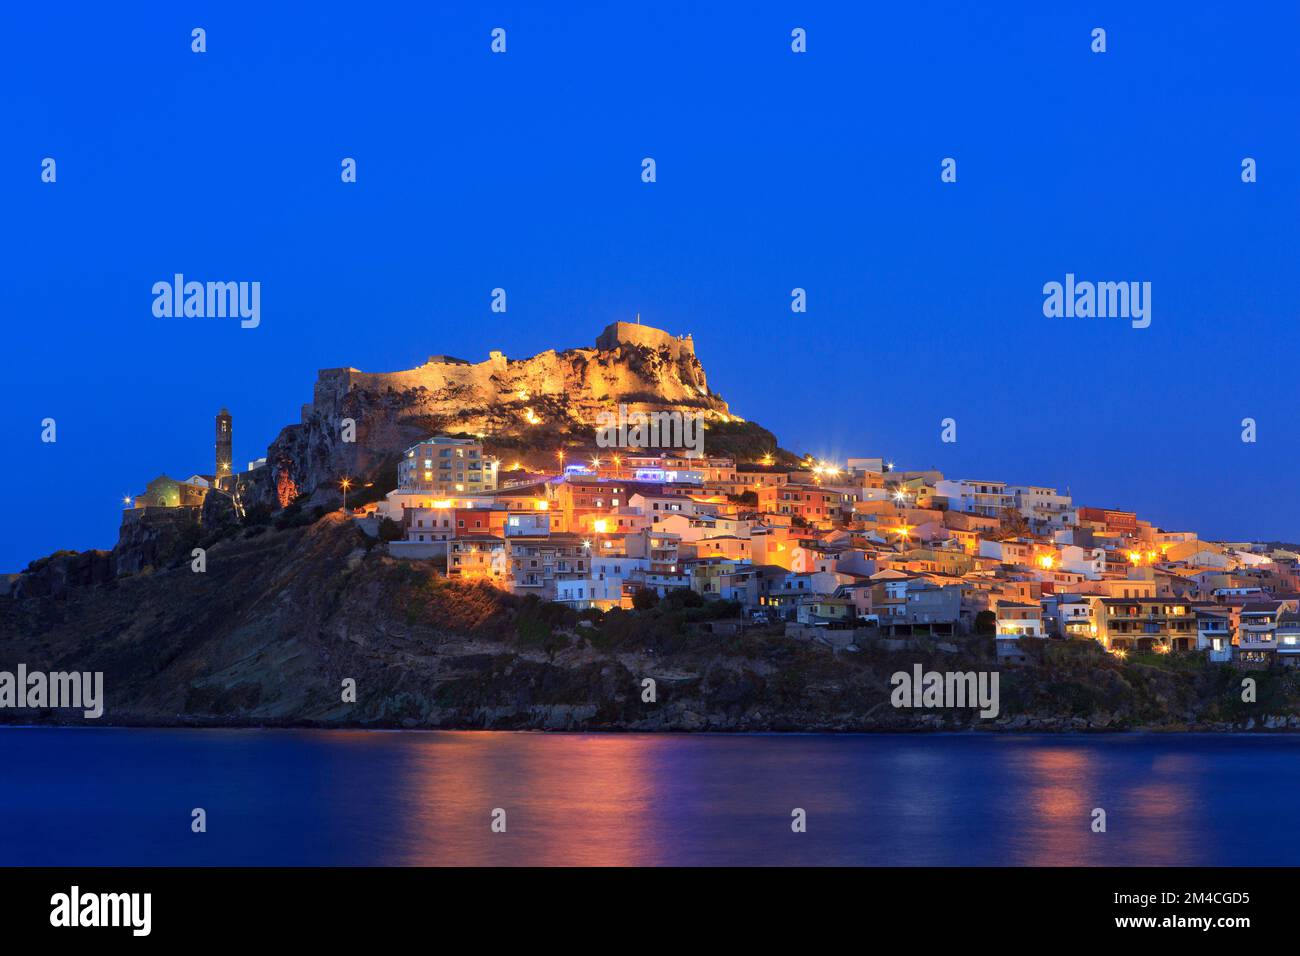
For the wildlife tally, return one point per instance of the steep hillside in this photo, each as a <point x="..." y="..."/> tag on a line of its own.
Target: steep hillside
<point x="281" y="617"/>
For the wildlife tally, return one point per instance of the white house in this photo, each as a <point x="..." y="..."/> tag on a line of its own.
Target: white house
<point x="988" y="498"/>
<point x="1044" y="506"/>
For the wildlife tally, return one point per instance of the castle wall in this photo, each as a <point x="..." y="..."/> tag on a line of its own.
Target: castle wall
<point x="629" y="333"/>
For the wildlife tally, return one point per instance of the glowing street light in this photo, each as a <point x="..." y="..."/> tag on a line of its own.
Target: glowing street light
<point x="345" y="484"/>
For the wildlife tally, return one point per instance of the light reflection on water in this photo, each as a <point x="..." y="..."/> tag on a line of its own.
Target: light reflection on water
<point x="101" y="797"/>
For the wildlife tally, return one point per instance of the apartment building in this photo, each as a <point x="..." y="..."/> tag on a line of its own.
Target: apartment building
<point x="986" y="498"/>
<point x="1147" y="623"/>
<point x="725" y="580"/>
<point x="1257" y="631"/>
<point x="1121" y="523"/>
<point x="1076" y="618"/>
<point x="447" y="466"/>
<point x="1215" y="632"/>
<point x="814" y="505"/>
<point x="477" y="557"/>
<point x="1046" y="508"/>
<point x="1288" y="638"/>
<point x="537" y="562"/>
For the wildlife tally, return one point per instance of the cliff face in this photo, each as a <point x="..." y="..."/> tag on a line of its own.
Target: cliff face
<point x="542" y="402"/>
<point x="148" y="539"/>
<point x="55" y="574"/>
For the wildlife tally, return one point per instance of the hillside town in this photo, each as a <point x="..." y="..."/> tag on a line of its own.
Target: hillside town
<point x="839" y="546"/>
<point x="853" y="544"/>
<point x="643" y="512"/>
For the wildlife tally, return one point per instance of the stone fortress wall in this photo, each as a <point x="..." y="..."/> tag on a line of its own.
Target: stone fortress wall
<point x="631" y="333"/>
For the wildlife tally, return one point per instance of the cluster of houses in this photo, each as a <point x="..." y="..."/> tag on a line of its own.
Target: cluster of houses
<point x="910" y="552"/>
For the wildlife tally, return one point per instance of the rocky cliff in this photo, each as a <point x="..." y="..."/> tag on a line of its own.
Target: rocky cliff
<point x="533" y="404"/>
<point x="56" y="573"/>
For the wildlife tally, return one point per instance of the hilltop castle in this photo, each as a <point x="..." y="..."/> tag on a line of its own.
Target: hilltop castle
<point x="634" y="333"/>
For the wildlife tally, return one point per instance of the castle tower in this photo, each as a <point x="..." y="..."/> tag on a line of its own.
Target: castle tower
<point x="225" y="454"/>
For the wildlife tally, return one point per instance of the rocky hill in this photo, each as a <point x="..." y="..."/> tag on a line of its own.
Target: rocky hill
<point x="296" y="600"/>
<point x="525" y="407"/>
<point x="281" y="617"/>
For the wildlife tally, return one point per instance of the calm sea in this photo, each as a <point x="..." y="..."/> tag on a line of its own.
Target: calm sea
<point x="124" y="797"/>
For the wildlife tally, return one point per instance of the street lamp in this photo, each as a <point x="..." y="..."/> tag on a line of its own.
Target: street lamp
<point x="345" y="484"/>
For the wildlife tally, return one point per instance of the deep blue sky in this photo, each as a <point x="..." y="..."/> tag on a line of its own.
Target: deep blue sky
<point x="775" y="170"/>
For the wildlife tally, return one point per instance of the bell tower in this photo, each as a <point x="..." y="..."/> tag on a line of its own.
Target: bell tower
<point x="225" y="455"/>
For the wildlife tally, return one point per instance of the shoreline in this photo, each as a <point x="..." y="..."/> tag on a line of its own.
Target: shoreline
<point x="972" y="731"/>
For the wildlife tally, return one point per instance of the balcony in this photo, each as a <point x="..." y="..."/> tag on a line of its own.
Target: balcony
<point x="1256" y="641"/>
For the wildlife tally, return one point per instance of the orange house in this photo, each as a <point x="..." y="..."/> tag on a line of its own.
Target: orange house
<point x="469" y="521"/>
<point x="817" y="506"/>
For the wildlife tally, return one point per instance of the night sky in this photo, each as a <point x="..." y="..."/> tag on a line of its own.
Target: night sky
<point x="775" y="171"/>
